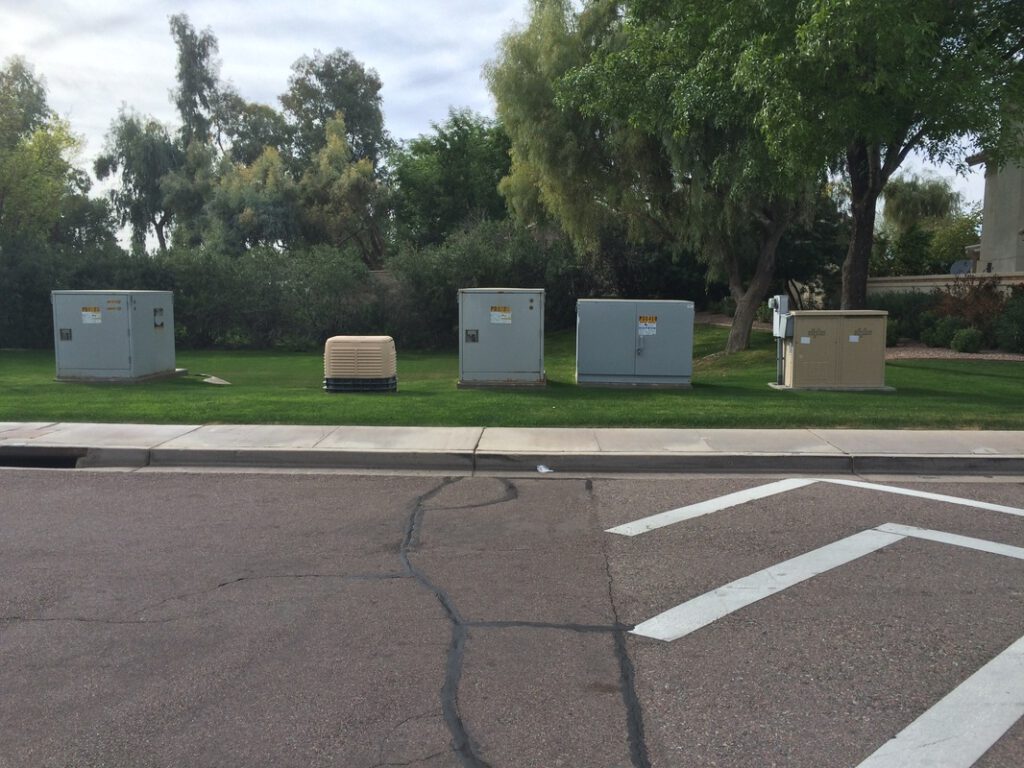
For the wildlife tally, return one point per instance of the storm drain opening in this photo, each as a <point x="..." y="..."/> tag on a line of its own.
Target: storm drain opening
<point x="60" y="458"/>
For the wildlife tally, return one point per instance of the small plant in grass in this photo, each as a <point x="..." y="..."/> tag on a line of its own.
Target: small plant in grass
<point x="966" y="340"/>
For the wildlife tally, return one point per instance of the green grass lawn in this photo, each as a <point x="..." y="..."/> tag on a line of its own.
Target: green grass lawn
<point x="728" y="391"/>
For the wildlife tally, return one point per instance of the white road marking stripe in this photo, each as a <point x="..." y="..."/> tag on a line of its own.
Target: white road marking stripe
<point x="707" y="507"/>
<point x="927" y="495"/>
<point x="703" y="610"/>
<point x="951" y="538"/>
<point x="965" y="723"/>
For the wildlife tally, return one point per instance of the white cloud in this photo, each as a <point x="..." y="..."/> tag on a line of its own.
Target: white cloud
<point x="95" y="56"/>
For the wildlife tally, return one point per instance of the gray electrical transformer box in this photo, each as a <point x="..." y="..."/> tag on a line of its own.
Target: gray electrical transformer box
<point x="501" y="337"/>
<point x="627" y="342"/>
<point x="113" y="335"/>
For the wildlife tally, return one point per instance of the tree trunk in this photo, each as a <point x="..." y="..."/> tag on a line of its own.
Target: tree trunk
<point x="863" y="164"/>
<point x="158" y="227"/>
<point x="748" y="300"/>
<point x="858" y="255"/>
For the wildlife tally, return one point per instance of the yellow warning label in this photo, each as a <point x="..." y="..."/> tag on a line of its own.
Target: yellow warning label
<point x="648" y="325"/>
<point x="501" y="315"/>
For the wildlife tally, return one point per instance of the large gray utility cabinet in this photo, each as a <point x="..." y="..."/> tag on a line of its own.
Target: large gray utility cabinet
<point x="626" y="342"/>
<point x="501" y="337"/>
<point x="113" y="335"/>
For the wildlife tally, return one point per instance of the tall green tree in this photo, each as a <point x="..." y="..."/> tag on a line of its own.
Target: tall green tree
<point x="858" y="86"/>
<point x="35" y="171"/>
<point x="245" y="128"/>
<point x="23" y="106"/>
<point x="253" y="205"/>
<point x="339" y="198"/>
<point x="447" y="177"/>
<point x="325" y="85"/>
<point x="140" y="152"/>
<point x="48" y="223"/>
<point x="197" y="75"/>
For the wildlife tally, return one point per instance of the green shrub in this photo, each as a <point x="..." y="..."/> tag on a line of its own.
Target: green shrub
<point x="1010" y="326"/>
<point x="966" y="340"/>
<point x="941" y="331"/>
<point x="892" y="332"/>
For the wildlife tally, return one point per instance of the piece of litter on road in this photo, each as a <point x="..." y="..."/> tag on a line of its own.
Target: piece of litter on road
<point x="544" y="469"/>
<point x="215" y="380"/>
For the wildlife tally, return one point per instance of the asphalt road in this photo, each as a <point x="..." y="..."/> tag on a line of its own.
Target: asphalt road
<point x="201" y="619"/>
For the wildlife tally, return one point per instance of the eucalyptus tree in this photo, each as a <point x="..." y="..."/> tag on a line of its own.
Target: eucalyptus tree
<point x="141" y="152"/>
<point x="325" y="85"/>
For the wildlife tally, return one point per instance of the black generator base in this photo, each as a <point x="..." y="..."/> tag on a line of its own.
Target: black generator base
<point x="361" y="385"/>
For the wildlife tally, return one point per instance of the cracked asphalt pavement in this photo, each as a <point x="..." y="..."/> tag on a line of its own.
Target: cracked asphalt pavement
<point x="285" y="619"/>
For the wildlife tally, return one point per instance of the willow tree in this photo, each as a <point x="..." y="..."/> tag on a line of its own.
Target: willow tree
<point x="623" y="118"/>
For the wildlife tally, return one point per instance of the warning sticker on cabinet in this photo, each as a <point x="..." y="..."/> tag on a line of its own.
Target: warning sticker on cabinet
<point x="501" y="315"/>
<point x="805" y="339"/>
<point x="91" y="316"/>
<point x="855" y="339"/>
<point x="648" y="325"/>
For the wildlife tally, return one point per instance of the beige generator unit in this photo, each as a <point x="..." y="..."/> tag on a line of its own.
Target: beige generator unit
<point x="624" y="342"/>
<point x="360" y="364"/>
<point x="113" y="335"/>
<point x="501" y="337"/>
<point x="842" y="349"/>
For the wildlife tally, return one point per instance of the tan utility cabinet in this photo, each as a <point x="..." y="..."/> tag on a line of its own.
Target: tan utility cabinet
<point x="360" y="364"/>
<point x="835" y="349"/>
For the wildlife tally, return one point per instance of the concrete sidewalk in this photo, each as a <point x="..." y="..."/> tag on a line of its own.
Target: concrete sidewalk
<point x="501" y="449"/>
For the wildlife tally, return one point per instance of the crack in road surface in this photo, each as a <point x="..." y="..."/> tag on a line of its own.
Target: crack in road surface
<point x="462" y="743"/>
<point x="627" y="672"/>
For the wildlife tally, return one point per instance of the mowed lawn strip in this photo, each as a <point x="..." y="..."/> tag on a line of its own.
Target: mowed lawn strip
<point x="728" y="391"/>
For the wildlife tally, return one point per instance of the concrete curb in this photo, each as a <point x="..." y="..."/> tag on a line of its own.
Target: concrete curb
<point x="484" y="462"/>
<point x="311" y="458"/>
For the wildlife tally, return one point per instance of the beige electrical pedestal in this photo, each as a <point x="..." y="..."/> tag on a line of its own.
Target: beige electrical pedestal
<point x="835" y="350"/>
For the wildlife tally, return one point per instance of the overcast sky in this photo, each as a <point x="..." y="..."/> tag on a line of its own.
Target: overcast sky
<point x="96" y="55"/>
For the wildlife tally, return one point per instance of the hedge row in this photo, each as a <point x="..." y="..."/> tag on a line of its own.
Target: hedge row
<point x="972" y="314"/>
<point x="296" y="299"/>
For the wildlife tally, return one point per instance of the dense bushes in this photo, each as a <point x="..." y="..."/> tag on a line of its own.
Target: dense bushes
<point x="906" y="310"/>
<point x="938" y="331"/>
<point x="423" y="310"/>
<point x="266" y="297"/>
<point x="971" y="303"/>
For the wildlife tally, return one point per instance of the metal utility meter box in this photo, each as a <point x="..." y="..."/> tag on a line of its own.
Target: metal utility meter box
<point x="360" y="364"/>
<point x="113" y="335"/>
<point x="634" y="342"/>
<point x="501" y="337"/>
<point x="836" y="350"/>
